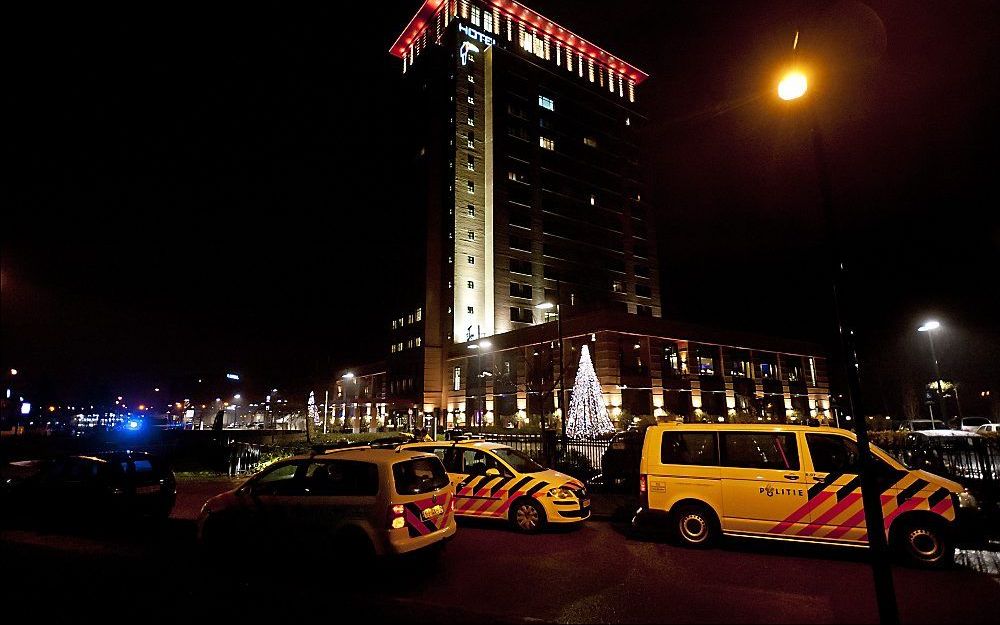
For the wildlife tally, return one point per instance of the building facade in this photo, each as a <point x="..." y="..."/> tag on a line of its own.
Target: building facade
<point x="522" y="164"/>
<point x="525" y="170"/>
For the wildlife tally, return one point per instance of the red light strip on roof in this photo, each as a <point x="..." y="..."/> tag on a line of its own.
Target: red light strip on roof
<point x="524" y="15"/>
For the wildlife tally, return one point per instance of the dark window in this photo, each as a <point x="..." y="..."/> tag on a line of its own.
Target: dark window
<point x="643" y="290"/>
<point x="520" y="243"/>
<point x="832" y="454"/>
<point x="644" y="311"/>
<point x="278" y="481"/>
<point x="477" y="462"/>
<point x="520" y="290"/>
<point x="520" y="266"/>
<point x="642" y="271"/>
<point x="698" y="448"/>
<point x="522" y="315"/>
<point x="760" y="450"/>
<point x="341" y="478"/>
<point x="421" y="475"/>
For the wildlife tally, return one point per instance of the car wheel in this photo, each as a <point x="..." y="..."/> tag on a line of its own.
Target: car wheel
<point x="925" y="543"/>
<point x="527" y="516"/>
<point x="695" y="526"/>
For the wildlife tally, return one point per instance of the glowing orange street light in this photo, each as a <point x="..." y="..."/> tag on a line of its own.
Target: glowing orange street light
<point x="793" y="85"/>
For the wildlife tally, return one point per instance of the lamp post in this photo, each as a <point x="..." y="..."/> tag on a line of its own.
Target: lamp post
<point x="347" y="377"/>
<point x="481" y="376"/>
<point x="791" y="88"/>
<point x="929" y="328"/>
<point x="562" y="388"/>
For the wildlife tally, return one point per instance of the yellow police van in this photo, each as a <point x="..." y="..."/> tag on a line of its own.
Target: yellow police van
<point x="494" y="481"/>
<point x="788" y="482"/>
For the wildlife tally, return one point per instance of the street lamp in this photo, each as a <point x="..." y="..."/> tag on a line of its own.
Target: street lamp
<point x="347" y="377"/>
<point x="562" y="388"/>
<point x="792" y="87"/>
<point x="929" y="328"/>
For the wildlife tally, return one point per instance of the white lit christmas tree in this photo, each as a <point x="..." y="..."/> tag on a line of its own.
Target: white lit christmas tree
<point x="588" y="416"/>
<point x="313" y="411"/>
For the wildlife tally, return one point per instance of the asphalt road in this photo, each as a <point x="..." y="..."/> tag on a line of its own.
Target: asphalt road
<point x="597" y="573"/>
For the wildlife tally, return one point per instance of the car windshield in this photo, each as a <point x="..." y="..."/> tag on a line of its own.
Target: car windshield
<point x="520" y="462"/>
<point x="975" y="421"/>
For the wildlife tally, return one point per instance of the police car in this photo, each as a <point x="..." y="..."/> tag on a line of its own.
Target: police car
<point x="494" y="481"/>
<point x="789" y="482"/>
<point x="365" y="501"/>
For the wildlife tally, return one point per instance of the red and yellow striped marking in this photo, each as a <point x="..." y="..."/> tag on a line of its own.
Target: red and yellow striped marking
<point x="837" y="511"/>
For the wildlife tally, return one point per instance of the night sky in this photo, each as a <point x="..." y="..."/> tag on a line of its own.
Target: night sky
<point x="195" y="191"/>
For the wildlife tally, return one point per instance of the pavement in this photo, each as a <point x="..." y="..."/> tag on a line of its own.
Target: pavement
<point x="597" y="572"/>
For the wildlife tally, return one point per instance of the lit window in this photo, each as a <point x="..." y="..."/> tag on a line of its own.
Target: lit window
<point x="420" y="314"/>
<point x="590" y="141"/>
<point x="546" y="103"/>
<point x="617" y="286"/>
<point x="470" y="186"/>
<point x="457" y="379"/>
<point x="471" y="78"/>
<point x="470" y="284"/>
<point x="488" y="22"/>
<point x="471" y="139"/>
<point x="593" y="200"/>
<point x="471" y="163"/>
<point x="472" y="117"/>
<point x="472" y="260"/>
<point x="417" y="341"/>
<point x="470" y="99"/>
<point x="628" y="121"/>
<point x="470" y="210"/>
<point x="476" y="17"/>
<point x="546" y="143"/>
<point x="472" y="235"/>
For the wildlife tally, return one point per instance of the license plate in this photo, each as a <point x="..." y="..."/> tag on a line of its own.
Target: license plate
<point x="147" y="490"/>
<point x="433" y="511"/>
<point x="585" y="503"/>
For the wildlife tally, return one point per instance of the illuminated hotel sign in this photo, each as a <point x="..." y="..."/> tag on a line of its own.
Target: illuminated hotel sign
<point x="464" y="51"/>
<point x="475" y="35"/>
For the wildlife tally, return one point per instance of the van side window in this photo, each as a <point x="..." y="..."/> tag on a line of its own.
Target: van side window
<point x="341" y="478"/>
<point x="760" y="450"/>
<point x="832" y="454"/>
<point x="698" y="448"/>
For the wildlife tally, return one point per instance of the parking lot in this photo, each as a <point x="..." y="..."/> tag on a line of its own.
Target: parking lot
<point x="597" y="573"/>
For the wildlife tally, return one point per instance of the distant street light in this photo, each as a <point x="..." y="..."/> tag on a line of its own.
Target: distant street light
<point x="929" y="328"/>
<point x="13" y="371"/>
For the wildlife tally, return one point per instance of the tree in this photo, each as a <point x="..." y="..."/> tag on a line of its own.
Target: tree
<point x="312" y="414"/>
<point x="588" y="416"/>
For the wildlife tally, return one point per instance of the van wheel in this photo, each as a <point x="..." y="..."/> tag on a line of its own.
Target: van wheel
<point x="924" y="543"/>
<point x="527" y="516"/>
<point x="695" y="526"/>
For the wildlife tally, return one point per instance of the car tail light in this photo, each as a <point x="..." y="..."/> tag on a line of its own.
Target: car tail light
<point x="643" y="492"/>
<point x="396" y="518"/>
<point x="642" y="484"/>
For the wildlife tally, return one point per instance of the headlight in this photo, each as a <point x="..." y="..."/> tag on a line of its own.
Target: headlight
<point x="561" y="493"/>
<point x="966" y="500"/>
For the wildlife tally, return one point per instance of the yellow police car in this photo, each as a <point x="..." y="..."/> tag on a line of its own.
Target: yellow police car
<point x="494" y="481"/>
<point x="791" y="483"/>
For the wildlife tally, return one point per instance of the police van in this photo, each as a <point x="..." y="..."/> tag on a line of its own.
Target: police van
<point x="789" y="482"/>
<point x="494" y="481"/>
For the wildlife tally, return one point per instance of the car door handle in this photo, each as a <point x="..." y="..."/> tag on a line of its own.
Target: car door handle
<point x="791" y="476"/>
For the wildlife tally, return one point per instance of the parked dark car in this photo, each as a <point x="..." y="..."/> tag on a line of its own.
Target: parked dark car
<point x="103" y="486"/>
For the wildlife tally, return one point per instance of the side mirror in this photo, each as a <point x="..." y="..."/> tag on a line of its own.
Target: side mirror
<point x="245" y="491"/>
<point x="492" y="472"/>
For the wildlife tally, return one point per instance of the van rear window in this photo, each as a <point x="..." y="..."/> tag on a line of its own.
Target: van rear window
<point x="420" y="475"/>
<point x="697" y="448"/>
